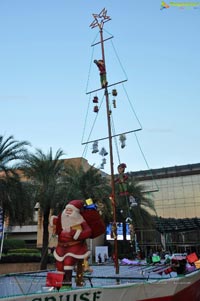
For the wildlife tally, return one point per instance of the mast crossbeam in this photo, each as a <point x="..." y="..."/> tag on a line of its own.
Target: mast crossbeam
<point x="125" y="80"/>
<point x="100" y="41"/>
<point x="112" y="136"/>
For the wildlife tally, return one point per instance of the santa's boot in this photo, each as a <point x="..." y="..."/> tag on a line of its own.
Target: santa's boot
<point x="79" y="273"/>
<point x="67" y="280"/>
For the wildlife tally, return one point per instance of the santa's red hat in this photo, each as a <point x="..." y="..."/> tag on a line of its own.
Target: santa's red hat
<point x="76" y="205"/>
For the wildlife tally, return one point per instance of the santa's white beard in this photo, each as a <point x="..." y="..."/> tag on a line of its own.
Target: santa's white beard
<point x="67" y="221"/>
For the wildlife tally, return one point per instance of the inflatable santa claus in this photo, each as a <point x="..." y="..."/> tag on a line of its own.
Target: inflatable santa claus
<point x="72" y="231"/>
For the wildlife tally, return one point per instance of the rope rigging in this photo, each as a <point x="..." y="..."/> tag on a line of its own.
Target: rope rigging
<point x="97" y="110"/>
<point x="115" y="139"/>
<point x="90" y="66"/>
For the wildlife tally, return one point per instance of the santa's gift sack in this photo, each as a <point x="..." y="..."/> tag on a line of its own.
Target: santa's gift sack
<point x="192" y="257"/>
<point x="197" y="264"/>
<point x="95" y="222"/>
<point x="54" y="279"/>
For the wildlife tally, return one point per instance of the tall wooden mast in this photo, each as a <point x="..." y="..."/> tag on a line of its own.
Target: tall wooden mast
<point x="99" y="20"/>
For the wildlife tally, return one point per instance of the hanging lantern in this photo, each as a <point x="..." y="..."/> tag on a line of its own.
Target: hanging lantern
<point x="95" y="99"/>
<point x="114" y="92"/>
<point x="114" y="103"/>
<point x="104" y="161"/>
<point x="129" y="220"/>
<point x="95" y="147"/>
<point x="122" y="139"/>
<point x="103" y="152"/>
<point x="132" y="201"/>
<point x="102" y="166"/>
<point x="96" y="109"/>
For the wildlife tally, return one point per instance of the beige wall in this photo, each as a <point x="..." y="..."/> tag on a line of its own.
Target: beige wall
<point x="6" y="268"/>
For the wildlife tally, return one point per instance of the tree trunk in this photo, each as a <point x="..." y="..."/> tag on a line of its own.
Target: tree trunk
<point x="45" y="240"/>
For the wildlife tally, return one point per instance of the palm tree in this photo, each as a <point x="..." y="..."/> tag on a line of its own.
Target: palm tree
<point x="56" y="184"/>
<point x="142" y="205"/>
<point x="136" y="208"/>
<point x="88" y="184"/>
<point x="45" y="173"/>
<point x="13" y="195"/>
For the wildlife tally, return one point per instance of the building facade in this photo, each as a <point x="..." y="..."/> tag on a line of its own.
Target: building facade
<point x="176" y="194"/>
<point x="177" y="190"/>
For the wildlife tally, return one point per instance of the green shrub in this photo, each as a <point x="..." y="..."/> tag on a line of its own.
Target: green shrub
<point x="20" y="258"/>
<point x="26" y="257"/>
<point x="13" y="244"/>
<point x="23" y="251"/>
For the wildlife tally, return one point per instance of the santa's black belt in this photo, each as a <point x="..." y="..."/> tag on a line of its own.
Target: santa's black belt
<point x="68" y="244"/>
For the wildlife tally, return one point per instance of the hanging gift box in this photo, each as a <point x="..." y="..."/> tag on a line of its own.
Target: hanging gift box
<point x="95" y="99"/>
<point x="114" y="92"/>
<point x="96" y="109"/>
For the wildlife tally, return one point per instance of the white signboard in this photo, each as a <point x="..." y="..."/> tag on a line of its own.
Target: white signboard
<point x="101" y="254"/>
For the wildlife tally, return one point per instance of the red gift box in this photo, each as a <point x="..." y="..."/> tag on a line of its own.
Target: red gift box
<point x="54" y="279"/>
<point x="192" y="257"/>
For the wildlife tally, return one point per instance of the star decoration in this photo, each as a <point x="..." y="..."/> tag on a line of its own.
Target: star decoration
<point x="100" y="19"/>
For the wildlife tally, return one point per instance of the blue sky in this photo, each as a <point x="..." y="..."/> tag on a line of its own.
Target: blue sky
<point x="45" y="64"/>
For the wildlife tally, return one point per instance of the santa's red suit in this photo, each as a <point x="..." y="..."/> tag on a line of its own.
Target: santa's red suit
<point x="72" y="231"/>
